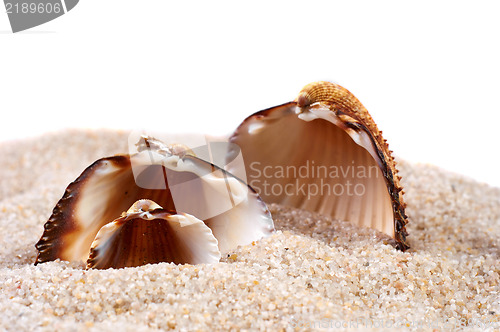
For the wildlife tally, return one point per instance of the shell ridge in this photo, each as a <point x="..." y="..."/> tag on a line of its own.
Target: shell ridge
<point x="49" y="244"/>
<point x="366" y="123"/>
<point x="354" y="120"/>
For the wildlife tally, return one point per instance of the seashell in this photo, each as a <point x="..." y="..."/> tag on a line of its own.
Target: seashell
<point x="148" y="234"/>
<point x="324" y="153"/>
<point x="172" y="177"/>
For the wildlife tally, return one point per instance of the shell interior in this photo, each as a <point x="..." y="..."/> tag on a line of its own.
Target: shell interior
<point x="321" y="160"/>
<point x="233" y="211"/>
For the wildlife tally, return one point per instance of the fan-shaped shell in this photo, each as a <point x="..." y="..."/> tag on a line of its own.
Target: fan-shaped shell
<point x="180" y="183"/>
<point x="329" y="135"/>
<point x="148" y="234"/>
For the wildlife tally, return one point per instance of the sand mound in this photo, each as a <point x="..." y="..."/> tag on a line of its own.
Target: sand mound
<point x="314" y="273"/>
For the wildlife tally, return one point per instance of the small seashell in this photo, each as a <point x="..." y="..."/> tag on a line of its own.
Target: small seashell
<point x="148" y="234"/>
<point x="172" y="177"/>
<point x="324" y="153"/>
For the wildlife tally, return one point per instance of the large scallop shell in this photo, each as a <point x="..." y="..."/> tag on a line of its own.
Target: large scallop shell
<point x="148" y="234"/>
<point x="324" y="153"/>
<point x="168" y="175"/>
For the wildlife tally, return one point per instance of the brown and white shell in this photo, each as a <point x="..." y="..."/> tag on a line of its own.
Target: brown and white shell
<point x="328" y="135"/>
<point x="149" y="234"/>
<point x="172" y="177"/>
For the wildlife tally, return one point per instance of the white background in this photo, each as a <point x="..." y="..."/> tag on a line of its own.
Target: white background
<point x="428" y="72"/>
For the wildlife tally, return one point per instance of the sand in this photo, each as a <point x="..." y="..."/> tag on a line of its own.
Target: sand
<point x="313" y="274"/>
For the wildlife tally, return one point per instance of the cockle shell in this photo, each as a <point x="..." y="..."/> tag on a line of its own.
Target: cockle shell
<point x="172" y="177"/>
<point x="329" y="135"/>
<point x="148" y="234"/>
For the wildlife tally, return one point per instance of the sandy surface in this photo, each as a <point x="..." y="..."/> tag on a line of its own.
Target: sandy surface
<point x="314" y="273"/>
